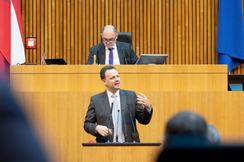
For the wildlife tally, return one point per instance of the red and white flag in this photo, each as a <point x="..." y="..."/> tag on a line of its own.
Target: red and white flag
<point x="11" y="36"/>
<point x="17" y="39"/>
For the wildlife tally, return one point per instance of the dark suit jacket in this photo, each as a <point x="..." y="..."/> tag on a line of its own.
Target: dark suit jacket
<point x="99" y="111"/>
<point x="125" y="52"/>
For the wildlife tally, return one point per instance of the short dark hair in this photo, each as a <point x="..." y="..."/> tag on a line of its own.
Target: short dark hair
<point x="104" y="69"/>
<point x="186" y="122"/>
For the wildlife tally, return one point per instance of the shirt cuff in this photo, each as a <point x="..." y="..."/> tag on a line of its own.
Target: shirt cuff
<point x="150" y="110"/>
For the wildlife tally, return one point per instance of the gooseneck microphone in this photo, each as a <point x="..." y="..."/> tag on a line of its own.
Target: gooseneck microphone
<point x="117" y="128"/>
<point x="133" y="135"/>
<point x="125" y="58"/>
<point x="125" y="133"/>
<point x="110" y="117"/>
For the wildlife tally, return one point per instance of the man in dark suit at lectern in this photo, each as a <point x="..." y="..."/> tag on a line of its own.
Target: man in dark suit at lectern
<point x="111" y="51"/>
<point x="111" y="114"/>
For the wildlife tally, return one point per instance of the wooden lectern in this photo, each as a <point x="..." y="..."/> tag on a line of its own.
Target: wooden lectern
<point x="56" y="97"/>
<point x="133" y="77"/>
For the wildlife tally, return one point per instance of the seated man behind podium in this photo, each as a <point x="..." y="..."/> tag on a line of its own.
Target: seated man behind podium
<point x="111" y="51"/>
<point x="99" y="113"/>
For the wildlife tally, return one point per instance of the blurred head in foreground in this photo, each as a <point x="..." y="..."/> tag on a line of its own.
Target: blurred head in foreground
<point x="213" y="135"/>
<point x="185" y="129"/>
<point x="188" y="137"/>
<point x="17" y="141"/>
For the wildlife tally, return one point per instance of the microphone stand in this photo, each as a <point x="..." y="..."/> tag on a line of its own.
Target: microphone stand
<point x="117" y="128"/>
<point x="110" y="117"/>
<point x="125" y="59"/>
<point x="134" y="133"/>
<point x="125" y="133"/>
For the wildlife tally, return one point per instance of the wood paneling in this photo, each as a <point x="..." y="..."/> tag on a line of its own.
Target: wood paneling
<point x="58" y="118"/>
<point x="184" y="29"/>
<point x="133" y="77"/>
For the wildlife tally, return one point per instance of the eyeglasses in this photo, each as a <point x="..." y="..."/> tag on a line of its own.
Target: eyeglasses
<point x="109" y="40"/>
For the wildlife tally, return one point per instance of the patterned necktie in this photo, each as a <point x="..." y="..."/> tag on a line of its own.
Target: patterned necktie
<point x="117" y="120"/>
<point x="111" y="57"/>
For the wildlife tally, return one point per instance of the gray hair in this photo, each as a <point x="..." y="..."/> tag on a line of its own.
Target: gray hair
<point x="213" y="135"/>
<point x="115" y="30"/>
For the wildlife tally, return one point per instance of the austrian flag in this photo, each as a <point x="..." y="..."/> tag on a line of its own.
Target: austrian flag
<point x="11" y="36"/>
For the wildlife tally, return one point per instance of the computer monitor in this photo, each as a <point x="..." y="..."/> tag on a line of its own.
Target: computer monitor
<point x="152" y="59"/>
<point x="57" y="61"/>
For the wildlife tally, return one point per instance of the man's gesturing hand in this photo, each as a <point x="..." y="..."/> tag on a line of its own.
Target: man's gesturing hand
<point x="142" y="99"/>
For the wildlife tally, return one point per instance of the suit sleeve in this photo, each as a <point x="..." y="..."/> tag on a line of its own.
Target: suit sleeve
<point x="142" y="114"/>
<point x="90" y="119"/>
<point x="132" y="56"/>
<point x="90" y="57"/>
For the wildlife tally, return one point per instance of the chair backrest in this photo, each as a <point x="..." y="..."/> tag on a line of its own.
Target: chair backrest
<point x="124" y="37"/>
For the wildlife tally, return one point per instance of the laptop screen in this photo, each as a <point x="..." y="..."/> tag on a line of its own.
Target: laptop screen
<point x="57" y="61"/>
<point x="152" y="59"/>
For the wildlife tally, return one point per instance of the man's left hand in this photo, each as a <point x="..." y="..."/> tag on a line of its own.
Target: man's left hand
<point x="142" y="99"/>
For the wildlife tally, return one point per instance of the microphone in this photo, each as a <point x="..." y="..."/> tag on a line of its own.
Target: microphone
<point x="125" y="133"/>
<point x="133" y="124"/>
<point x="110" y="117"/>
<point x="125" y="59"/>
<point x="117" y="128"/>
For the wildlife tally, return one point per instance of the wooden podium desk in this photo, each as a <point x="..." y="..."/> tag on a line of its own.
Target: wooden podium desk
<point x="58" y="119"/>
<point x="121" y="152"/>
<point x="133" y="77"/>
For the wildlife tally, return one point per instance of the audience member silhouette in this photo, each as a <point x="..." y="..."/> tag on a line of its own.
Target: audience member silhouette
<point x="17" y="142"/>
<point x="186" y="129"/>
<point x="213" y="135"/>
<point x="189" y="138"/>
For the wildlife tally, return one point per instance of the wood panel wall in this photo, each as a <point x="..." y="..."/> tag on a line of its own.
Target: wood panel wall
<point x="184" y="29"/>
<point x="142" y="78"/>
<point x="58" y="118"/>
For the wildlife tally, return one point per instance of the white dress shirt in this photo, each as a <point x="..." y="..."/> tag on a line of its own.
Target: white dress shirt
<point x="110" y="98"/>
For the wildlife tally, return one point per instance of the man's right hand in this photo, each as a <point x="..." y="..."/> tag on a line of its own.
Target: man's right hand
<point x="103" y="130"/>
